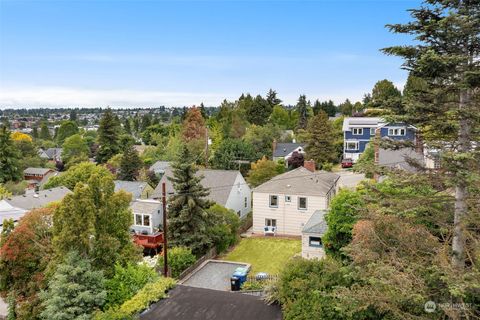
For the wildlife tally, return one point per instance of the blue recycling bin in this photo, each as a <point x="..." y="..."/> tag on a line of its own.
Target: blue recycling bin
<point x="241" y="274"/>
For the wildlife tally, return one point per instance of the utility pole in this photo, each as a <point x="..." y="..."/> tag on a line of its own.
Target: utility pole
<point x="165" y="255"/>
<point x="206" y="147"/>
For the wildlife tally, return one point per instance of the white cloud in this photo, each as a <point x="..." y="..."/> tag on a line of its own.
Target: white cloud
<point x="73" y="97"/>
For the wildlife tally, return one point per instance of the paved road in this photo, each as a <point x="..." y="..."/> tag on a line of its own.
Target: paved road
<point x="349" y="179"/>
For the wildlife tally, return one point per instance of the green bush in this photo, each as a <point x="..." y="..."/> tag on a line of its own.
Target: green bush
<point x="224" y="232"/>
<point x="127" y="281"/>
<point x="150" y="293"/>
<point x="179" y="259"/>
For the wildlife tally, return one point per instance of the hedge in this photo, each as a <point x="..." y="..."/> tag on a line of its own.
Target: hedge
<point x="150" y="293"/>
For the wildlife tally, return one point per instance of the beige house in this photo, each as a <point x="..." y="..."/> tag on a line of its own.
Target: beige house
<point x="312" y="233"/>
<point x="284" y="204"/>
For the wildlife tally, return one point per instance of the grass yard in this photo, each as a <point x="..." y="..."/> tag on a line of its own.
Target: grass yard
<point x="265" y="254"/>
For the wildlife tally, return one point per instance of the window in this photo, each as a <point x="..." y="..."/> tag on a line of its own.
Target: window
<point x="351" y="145"/>
<point x="274" y="201"/>
<point x="372" y="131"/>
<point x="138" y="219"/>
<point x="357" y="131"/>
<point x="288" y="199"/>
<point x="396" y="131"/>
<point x="315" y="242"/>
<point x="246" y="202"/>
<point x="239" y="213"/>
<point x="146" y="220"/>
<point x="302" y="203"/>
<point x="271" y="222"/>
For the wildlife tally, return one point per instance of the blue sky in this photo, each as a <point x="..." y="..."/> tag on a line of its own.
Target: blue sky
<point x="175" y="53"/>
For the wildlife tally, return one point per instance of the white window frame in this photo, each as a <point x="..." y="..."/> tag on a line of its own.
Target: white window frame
<point x="270" y="201"/>
<point x="397" y="132"/>
<point x="372" y="131"/>
<point x="288" y="198"/>
<point x="357" y="131"/>
<point x="306" y="203"/>
<point x="143" y="215"/>
<point x="357" y="145"/>
<point x="270" y="222"/>
<point x="319" y="245"/>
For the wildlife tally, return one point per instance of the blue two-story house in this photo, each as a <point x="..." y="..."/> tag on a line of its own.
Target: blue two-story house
<point x="358" y="132"/>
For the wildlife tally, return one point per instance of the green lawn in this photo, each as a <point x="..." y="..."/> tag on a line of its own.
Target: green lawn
<point x="265" y="254"/>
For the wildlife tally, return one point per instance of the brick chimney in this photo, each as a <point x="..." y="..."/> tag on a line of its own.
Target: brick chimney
<point x="309" y="165"/>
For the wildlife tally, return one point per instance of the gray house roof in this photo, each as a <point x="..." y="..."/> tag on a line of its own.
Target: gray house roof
<point x="160" y="166"/>
<point x="36" y="171"/>
<point x="53" y="153"/>
<point x="300" y="181"/>
<point x="8" y="211"/>
<point x="145" y="206"/>
<point x="316" y="223"/>
<point x="220" y="183"/>
<point x="134" y="187"/>
<point x="397" y="159"/>
<point x="283" y="149"/>
<point x="38" y="199"/>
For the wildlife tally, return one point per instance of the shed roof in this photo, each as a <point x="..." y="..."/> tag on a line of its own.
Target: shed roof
<point x="35" y="171"/>
<point x="145" y="206"/>
<point x="316" y="223"/>
<point x="300" y="181"/>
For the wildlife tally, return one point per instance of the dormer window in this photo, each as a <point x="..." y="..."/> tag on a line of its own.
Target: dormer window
<point x="357" y="131"/>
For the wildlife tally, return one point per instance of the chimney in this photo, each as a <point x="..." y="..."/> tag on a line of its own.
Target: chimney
<point x="274" y="146"/>
<point x="309" y="165"/>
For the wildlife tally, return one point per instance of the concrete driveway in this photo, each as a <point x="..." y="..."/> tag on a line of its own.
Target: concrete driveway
<point x="349" y="179"/>
<point x="213" y="274"/>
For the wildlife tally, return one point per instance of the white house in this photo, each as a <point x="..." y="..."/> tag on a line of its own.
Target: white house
<point x="314" y="229"/>
<point x="227" y="188"/>
<point x="284" y="204"/>
<point x="147" y="216"/>
<point x="286" y="150"/>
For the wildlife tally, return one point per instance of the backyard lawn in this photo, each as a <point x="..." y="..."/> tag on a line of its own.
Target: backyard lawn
<point x="264" y="254"/>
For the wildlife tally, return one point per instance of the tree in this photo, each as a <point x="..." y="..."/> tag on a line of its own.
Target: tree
<point x="272" y="98"/>
<point x="4" y="193"/>
<point x="152" y="133"/>
<point x="262" y="171"/>
<point x="447" y="59"/>
<point x="230" y="152"/>
<point x="321" y="139"/>
<point x="302" y="110"/>
<point x="327" y="106"/>
<point x="280" y="117"/>
<point x="95" y="221"/>
<point x="296" y="160"/>
<point x="18" y="136"/>
<point x="75" y="290"/>
<point x="66" y="129"/>
<point x="73" y="115"/>
<point x="108" y="136"/>
<point x="25" y="253"/>
<point x="9" y="157"/>
<point x="257" y="110"/>
<point x="130" y="164"/>
<point x="81" y="172"/>
<point x="44" y="132"/>
<point x="75" y="150"/>
<point x="187" y="216"/>
<point x="35" y="132"/>
<point x="261" y="138"/>
<point x="224" y="230"/>
<point x="346" y="108"/>
<point x="386" y="95"/>
<point x="194" y="125"/>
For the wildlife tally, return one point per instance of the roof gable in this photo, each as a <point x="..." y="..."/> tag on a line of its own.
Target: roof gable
<point x="284" y="149"/>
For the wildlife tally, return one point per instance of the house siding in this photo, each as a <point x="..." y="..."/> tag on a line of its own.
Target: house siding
<point x="309" y="252"/>
<point x="156" y="220"/>
<point x="236" y="198"/>
<point x="290" y="220"/>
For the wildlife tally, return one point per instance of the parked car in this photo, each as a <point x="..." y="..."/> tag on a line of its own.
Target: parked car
<point x="347" y="163"/>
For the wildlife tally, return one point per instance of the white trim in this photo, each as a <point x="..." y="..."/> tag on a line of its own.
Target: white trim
<point x="398" y="134"/>
<point x="358" y="130"/>
<point x="357" y="144"/>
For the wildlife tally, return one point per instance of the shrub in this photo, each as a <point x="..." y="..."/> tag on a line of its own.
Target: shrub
<point x="179" y="259"/>
<point x="224" y="232"/>
<point x="127" y="281"/>
<point x="150" y="293"/>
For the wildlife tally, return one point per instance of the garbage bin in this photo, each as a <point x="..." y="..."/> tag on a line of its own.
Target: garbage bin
<point x="241" y="274"/>
<point x="235" y="283"/>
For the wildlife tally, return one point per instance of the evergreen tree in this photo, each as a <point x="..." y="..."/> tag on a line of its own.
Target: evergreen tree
<point x="73" y="115"/>
<point x="75" y="290"/>
<point x="321" y="139"/>
<point x="447" y="60"/>
<point x="108" y="136"/>
<point x="187" y="216"/>
<point x="302" y="110"/>
<point x="66" y="129"/>
<point x="75" y="150"/>
<point x="272" y="98"/>
<point x="130" y="164"/>
<point x="126" y="126"/>
<point x="346" y="108"/>
<point x="35" y="132"/>
<point x="9" y="157"/>
<point x="203" y="111"/>
<point x="327" y="106"/>
<point x="44" y="132"/>
<point x="146" y="121"/>
<point x="386" y="96"/>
